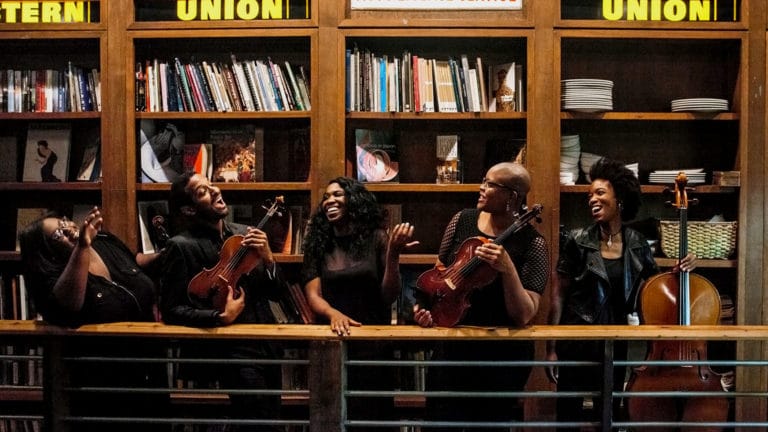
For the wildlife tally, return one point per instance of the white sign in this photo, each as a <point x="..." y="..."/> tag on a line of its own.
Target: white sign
<point x="437" y="4"/>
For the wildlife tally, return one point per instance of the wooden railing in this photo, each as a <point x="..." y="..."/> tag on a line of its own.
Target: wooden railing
<point x="321" y="404"/>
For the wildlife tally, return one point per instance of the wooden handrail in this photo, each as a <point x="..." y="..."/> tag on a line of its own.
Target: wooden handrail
<point x="399" y="332"/>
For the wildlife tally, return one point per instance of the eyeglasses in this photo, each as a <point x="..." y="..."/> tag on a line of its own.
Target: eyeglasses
<point x="487" y="183"/>
<point x="58" y="234"/>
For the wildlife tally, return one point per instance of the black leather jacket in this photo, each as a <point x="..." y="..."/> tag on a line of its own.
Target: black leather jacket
<point x="581" y="262"/>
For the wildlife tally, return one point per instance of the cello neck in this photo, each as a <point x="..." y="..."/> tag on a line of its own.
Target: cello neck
<point x="684" y="297"/>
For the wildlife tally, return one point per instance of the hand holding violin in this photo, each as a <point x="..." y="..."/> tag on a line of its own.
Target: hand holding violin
<point x="233" y="306"/>
<point x="257" y="240"/>
<point x="496" y="256"/>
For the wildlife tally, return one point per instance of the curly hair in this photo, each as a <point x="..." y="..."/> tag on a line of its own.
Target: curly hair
<point x="363" y="213"/>
<point x="625" y="184"/>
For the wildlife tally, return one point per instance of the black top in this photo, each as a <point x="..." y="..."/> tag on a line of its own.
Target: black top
<point x="352" y="285"/>
<point x="129" y="296"/>
<point x="528" y="251"/>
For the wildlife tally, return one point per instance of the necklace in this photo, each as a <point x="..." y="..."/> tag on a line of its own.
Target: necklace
<point x="610" y="236"/>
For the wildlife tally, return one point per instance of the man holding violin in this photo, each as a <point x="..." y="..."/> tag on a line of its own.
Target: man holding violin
<point x="239" y="298"/>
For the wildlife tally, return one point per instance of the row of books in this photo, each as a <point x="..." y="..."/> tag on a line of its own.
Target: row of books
<point x="22" y="365"/>
<point x="72" y="89"/>
<point x="248" y="85"/>
<point x="16" y="425"/>
<point x="412" y="83"/>
<point x="47" y="151"/>
<point x="15" y="300"/>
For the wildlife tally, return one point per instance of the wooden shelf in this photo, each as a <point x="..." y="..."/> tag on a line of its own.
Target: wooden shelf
<point x="21" y="393"/>
<point x="665" y="116"/>
<point x="256" y="186"/>
<point x="657" y="189"/>
<point x="45" y="186"/>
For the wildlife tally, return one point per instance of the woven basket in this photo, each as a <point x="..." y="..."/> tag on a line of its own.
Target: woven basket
<point x="710" y="240"/>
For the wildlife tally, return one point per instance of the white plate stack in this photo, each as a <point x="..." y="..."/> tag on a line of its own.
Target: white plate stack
<point x="699" y="105"/>
<point x="586" y="162"/>
<point x="570" y="149"/>
<point x="586" y="95"/>
<point x="694" y="175"/>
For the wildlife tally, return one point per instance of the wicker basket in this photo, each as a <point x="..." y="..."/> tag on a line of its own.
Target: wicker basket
<point x="710" y="240"/>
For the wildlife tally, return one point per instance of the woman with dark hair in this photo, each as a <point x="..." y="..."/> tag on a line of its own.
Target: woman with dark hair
<point x="351" y="271"/>
<point x="79" y="274"/>
<point x="600" y="270"/>
<point x="351" y="276"/>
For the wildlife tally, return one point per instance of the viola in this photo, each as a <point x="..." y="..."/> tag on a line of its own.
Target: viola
<point x="209" y="287"/>
<point x="448" y="288"/>
<point x="686" y="299"/>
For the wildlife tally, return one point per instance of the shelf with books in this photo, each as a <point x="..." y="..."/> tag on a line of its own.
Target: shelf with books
<point x="223" y="72"/>
<point x="50" y="113"/>
<point x="431" y="70"/>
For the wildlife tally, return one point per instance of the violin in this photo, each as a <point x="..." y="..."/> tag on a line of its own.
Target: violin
<point x="209" y="287"/>
<point x="686" y="299"/>
<point x="448" y="288"/>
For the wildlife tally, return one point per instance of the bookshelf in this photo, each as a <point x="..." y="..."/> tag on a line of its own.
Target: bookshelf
<point x="651" y="62"/>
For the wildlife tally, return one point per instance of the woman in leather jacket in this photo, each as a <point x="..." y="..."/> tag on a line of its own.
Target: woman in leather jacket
<point x="600" y="271"/>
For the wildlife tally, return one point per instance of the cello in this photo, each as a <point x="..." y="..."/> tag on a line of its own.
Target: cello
<point x="448" y="288"/>
<point x="679" y="298"/>
<point x="209" y="287"/>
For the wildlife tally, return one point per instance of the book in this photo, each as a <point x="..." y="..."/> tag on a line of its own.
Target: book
<point x="443" y="84"/>
<point x="503" y="84"/>
<point x="393" y="215"/>
<point x="162" y="151"/>
<point x="448" y="160"/>
<point x="9" y="161"/>
<point x="199" y="158"/>
<point x="90" y="163"/>
<point x="24" y="217"/>
<point x="238" y="154"/>
<point x="289" y="155"/>
<point x="46" y="157"/>
<point x="153" y="225"/>
<point x="376" y="155"/>
<point x="299" y="299"/>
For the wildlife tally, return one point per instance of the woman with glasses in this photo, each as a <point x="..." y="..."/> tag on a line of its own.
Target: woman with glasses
<point x="510" y="300"/>
<point x="79" y="274"/>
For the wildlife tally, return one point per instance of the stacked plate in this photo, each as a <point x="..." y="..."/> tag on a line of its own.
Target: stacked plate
<point x="570" y="149"/>
<point x="695" y="176"/>
<point x="587" y="95"/>
<point x="699" y="105"/>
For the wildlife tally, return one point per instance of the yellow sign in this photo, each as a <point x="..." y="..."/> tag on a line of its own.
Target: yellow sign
<point x="667" y="10"/>
<point x="44" y="12"/>
<point x="216" y="10"/>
